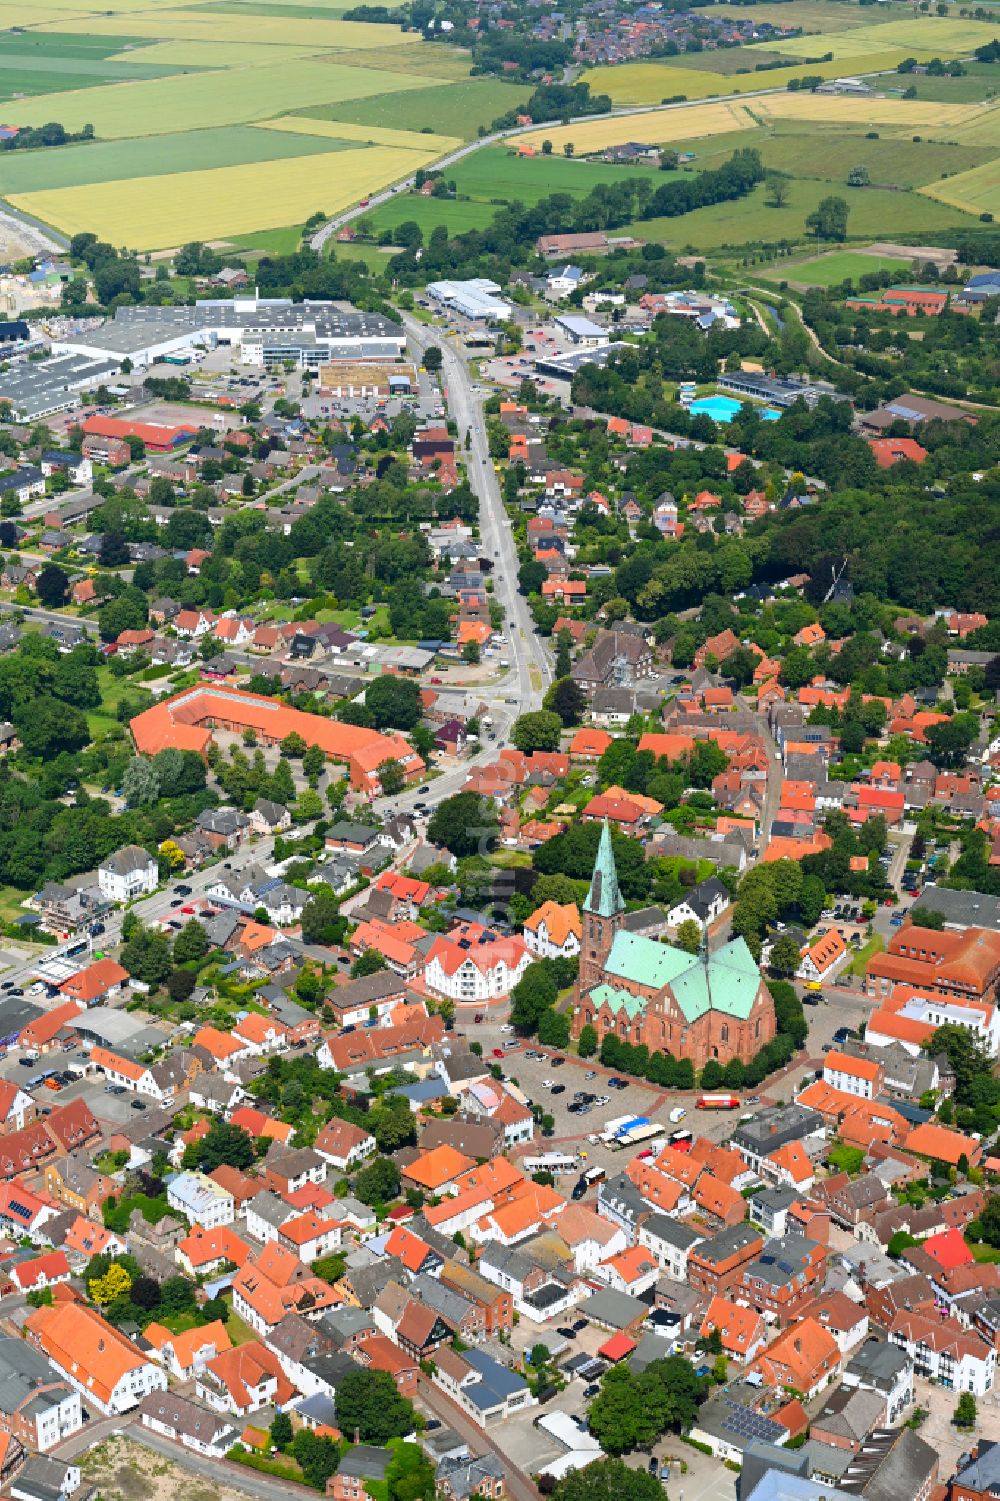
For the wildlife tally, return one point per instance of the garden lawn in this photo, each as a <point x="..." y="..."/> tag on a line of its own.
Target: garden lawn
<point x="239" y="1332"/>
<point x="984" y="1253"/>
<point x="11" y="903"/>
<point x="859" y="963"/>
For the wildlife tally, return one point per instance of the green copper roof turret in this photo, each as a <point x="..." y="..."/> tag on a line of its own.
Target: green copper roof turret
<point x="604" y="898"/>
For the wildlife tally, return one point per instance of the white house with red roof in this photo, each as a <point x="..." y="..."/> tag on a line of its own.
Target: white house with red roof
<point x="40" y="1272"/>
<point x="475" y="963"/>
<point x="16" y="1107"/>
<point x="343" y="1144"/>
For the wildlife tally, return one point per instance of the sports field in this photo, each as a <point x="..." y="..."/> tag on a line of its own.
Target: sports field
<point x="839" y="265"/>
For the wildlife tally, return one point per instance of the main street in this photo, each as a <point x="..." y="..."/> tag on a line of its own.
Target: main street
<point x="520" y="689"/>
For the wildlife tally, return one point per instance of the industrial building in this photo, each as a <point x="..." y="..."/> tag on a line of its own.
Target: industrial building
<point x="580" y="330"/>
<point x="267" y="331"/>
<point x="565" y="366"/>
<point x="474" y="299"/>
<point x="39" y="389"/>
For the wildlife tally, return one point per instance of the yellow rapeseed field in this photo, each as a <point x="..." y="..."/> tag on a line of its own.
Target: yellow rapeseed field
<point x="206" y="54"/>
<point x="679" y="123"/>
<point x="976" y="191"/>
<point x="907" y="114"/>
<point x="213" y="26"/>
<point x="16" y="14"/>
<point x="375" y="135"/>
<point x="934" y="36"/>
<point x="153" y="213"/>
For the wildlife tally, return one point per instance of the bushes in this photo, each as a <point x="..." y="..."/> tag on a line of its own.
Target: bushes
<point x="658" y="1068"/>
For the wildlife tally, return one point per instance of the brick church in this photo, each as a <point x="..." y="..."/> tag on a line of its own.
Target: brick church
<point x="697" y="1006"/>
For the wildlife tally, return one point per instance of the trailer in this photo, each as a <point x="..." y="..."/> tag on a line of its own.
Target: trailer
<point x="552" y="1162"/>
<point x="615" y="1133"/>
<point x="648" y="1132"/>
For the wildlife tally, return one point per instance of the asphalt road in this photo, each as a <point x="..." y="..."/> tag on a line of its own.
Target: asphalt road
<point x="532" y="670"/>
<point x="522" y="687"/>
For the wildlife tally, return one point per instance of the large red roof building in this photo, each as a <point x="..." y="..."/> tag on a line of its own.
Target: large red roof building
<point x="187" y="722"/>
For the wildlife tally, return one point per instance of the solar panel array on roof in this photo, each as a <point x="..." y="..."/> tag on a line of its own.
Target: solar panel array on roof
<point x="748" y="1424"/>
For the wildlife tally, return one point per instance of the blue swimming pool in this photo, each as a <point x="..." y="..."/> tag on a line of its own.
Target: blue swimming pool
<point x="724" y="409"/>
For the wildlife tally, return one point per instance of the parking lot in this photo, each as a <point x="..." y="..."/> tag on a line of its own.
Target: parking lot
<point x="115" y="1108"/>
<point x="572" y="1129"/>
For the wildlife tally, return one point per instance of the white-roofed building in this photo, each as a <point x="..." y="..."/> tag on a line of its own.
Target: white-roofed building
<point x="475" y="299"/>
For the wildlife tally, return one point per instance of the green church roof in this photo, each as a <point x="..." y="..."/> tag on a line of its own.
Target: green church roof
<point x="618" y="1000"/>
<point x="728" y="981"/>
<point x="604" y="898"/>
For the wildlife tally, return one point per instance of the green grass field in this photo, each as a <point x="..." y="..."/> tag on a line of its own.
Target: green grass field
<point x="494" y="176"/>
<point x="150" y="156"/>
<point x="53" y="44"/>
<point x="200" y="100"/>
<point x="270" y="241"/>
<point x="450" y="108"/>
<point x="728" y="60"/>
<point x="496" y="173"/>
<point x="873" y="213"/>
<point x="429" y="213"/>
<point x="829" y="270"/>
<point x="890" y="160"/>
<point x="981" y="81"/>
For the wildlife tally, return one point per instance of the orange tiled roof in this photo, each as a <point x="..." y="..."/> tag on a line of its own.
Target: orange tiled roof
<point x="84" y="1345"/>
<point x="441" y="1165"/>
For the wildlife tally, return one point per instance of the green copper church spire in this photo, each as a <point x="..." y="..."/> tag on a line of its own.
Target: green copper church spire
<point x="604" y="898"/>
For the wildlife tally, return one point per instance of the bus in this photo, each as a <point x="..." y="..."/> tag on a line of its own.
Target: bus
<point x="718" y="1102"/>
